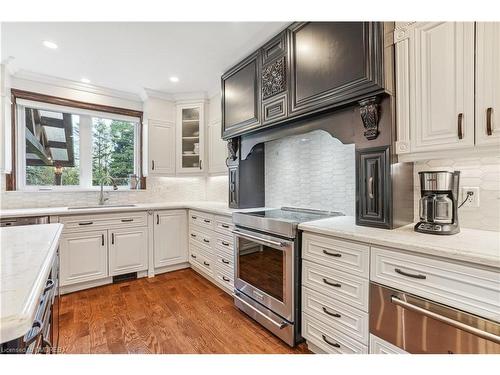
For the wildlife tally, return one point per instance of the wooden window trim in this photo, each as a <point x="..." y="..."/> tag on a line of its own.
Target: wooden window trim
<point x="43" y="98"/>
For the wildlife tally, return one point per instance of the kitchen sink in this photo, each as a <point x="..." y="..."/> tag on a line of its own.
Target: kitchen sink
<point x="101" y="206"/>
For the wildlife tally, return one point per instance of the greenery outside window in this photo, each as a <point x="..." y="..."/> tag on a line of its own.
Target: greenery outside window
<point x="65" y="148"/>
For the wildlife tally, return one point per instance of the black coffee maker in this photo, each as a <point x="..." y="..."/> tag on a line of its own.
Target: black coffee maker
<point x="438" y="206"/>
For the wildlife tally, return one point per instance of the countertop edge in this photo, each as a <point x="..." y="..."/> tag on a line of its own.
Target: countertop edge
<point x="17" y="327"/>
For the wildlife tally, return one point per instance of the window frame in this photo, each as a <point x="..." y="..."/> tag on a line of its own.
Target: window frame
<point x="16" y="179"/>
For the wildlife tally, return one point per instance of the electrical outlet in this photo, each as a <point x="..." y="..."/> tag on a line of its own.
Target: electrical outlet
<point x="472" y="200"/>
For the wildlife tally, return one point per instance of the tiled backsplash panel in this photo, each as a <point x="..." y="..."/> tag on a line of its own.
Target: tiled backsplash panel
<point x="474" y="172"/>
<point x="312" y="170"/>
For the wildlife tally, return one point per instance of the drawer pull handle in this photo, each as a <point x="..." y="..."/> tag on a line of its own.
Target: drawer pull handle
<point x="488" y="121"/>
<point x="206" y="263"/>
<point x="112" y="238"/>
<point x="127" y="220"/>
<point x="337" y="255"/>
<point x="225" y="261"/>
<point x="225" y="278"/>
<point x="194" y="217"/>
<point x="336" y="285"/>
<point x="157" y="219"/>
<point x="193" y="256"/>
<point x="206" y="220"/>
<point x="335" y="315"/>
<point x="206" y="241"/>
<point x="460" y="126"/>
<point x="225" y="243"/>
<point x="102" y="239"/>
<point x="419" y="276"/>
<point x="334" y="344"/>
<point x="193" y="235"/>
<point x="86" y="223"/>
<point x="225" y="226"/>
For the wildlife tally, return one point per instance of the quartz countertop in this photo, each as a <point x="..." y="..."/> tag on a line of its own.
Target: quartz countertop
<point x="218" y="208"/>
<point x="470" y="245"/>
<point x="27" y="253"/>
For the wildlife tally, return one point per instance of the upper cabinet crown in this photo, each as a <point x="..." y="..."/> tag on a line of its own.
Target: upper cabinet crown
<point x="309" y="67"/>
<point x="448" y="86"/>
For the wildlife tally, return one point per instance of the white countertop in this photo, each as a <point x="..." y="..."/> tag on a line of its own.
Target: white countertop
<point x="470" y="245"/>
<point x="27" y="253"/>
<point x="218" y="208"/>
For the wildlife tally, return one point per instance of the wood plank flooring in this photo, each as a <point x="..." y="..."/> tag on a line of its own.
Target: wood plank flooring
<point x="176" y="312"/>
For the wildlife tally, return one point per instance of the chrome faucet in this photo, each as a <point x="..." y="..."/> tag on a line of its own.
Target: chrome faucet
<point x="102" y="199"/>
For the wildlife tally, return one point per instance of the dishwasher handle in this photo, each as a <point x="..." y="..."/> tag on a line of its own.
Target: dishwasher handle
<point x="444" y="319"/>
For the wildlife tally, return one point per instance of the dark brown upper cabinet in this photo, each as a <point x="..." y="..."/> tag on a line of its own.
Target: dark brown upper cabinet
<point x="334" y="63"/>
<point x="241" y="97"/>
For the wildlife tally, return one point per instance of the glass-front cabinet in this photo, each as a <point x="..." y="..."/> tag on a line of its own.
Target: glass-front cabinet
<point x="190" y="138"/>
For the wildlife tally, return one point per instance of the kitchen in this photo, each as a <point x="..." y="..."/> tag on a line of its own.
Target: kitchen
<point x="319" y="187"/>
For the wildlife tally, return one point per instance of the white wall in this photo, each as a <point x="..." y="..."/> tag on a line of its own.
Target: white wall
<point x="312" y="170"/>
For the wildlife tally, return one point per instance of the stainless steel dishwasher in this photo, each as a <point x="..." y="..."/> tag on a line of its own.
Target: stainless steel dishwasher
<point x="420" y="326"/>
<point x="15" y="221"/>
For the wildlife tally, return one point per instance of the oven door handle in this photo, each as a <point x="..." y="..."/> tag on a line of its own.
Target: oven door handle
<point x="256" y="238"/>
<point x="444" y="319"/>
<point x="280" y="325"/>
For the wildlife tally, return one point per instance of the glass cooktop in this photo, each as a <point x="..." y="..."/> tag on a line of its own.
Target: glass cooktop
<point x="296" y="215"/>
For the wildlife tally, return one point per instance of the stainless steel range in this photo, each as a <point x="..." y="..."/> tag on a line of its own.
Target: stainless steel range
<point x="267" y="267"/>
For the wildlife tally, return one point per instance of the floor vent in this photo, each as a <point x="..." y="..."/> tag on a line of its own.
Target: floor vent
<point x="125" y="277"/>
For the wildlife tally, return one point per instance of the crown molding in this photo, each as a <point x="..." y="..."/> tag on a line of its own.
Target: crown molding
<point x="24" y="75"/>
<point x="173" y="97"/>
<point x="215" y="91"/>
<point x="150" y="93"/>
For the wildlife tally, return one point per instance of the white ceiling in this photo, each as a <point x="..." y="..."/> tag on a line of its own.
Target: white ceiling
<point x="131" y="56"/>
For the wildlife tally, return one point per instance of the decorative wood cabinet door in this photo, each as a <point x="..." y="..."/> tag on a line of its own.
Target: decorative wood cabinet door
<point x="373" y="187"/>
<point x="161" y="136"/>
<point x="332" y="63"/>
<point x="170" y="237"/>
<point x="441" y="84"/>
<point x="217" y="149"/>
<point x="128" y="250"/>
<point x="241" y="97"/>
<point x="488" y="83"/>
<point x="83" y="257"/>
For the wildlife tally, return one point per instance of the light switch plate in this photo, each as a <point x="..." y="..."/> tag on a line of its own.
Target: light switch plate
<point x="472" y="201"/>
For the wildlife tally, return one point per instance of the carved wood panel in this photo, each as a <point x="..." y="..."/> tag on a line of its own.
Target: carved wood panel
<point x="273" y="78"/>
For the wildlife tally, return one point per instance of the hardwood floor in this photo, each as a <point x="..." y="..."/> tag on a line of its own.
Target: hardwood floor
<point x="176" y="312"/>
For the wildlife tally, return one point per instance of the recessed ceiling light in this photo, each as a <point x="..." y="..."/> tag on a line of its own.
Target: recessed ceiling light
<point x="174" y="79"/>
<point x="49" y="44"/>
<point x="85" y="80"/>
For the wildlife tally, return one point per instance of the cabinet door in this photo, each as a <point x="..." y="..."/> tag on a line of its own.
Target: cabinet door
<point x="233" y="187"/>
<point x="487" y="83"/>
<point x="161" y="137"/>
<point x="83" y="257"/>
<point x="128" y="250"/>
<point x="170" y="238"/>
<point x="373" y="187"/>
<point x="217" y="149"/>
<point x="190" y="138"/>
<point x="333" y="63"/>
<point x="241" y="97"/>
<point x="442" y="85"/>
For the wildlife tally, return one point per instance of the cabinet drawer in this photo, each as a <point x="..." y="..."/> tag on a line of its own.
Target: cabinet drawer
<point x="224" y="279"/>
<point x="199" y="259"/>
<point x="224" y="225"/>
<point x="329" y="339"/>
<point x="340" y="254"/>
<point x="103" y="221"/>
<point x="224" y="262"/>
<point x="202" y="219"/>
<point x="380" y="346"/>
<point x="345" y="287"/>
<point x="471" y="289"/>
<point x="335" y="314"/>
<point x="202" y="238"/>
<point x="224" y="242"/>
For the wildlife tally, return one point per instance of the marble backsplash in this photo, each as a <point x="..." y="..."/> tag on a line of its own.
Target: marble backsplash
<point x="481" y="172"/>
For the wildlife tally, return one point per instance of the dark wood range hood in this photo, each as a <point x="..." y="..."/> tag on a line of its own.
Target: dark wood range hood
<point x="333" y="76"/>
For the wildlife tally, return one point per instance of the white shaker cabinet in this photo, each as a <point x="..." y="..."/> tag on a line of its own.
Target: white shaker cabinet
<point x="128" y="250"/>
<point x="488" y="83"/>
<point x="170" y="237"/>
<point x="190" y="150"/>
<point x="84" y="256"/>
<point x="217" y="149"/>
<point x="161" y="135"/>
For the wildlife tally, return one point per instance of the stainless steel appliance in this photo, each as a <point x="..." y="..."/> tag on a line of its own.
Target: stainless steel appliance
<point x="421" y="326"/>
<point x="438" y="204"/>
<point x="267" y="267"/>
<point x="15" y="221"/>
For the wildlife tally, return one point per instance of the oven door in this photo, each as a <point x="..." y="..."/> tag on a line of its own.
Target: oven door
<point x="264" y="270"/>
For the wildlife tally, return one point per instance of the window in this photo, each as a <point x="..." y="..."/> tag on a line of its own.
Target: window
<point x="61" y="147"/>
